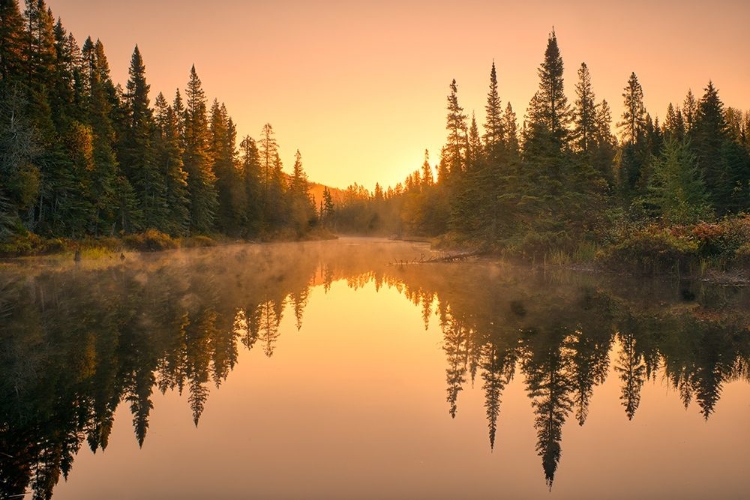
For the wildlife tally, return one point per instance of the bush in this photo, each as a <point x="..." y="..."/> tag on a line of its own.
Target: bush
<point x="149" y="241"/>
<point x="20" y="245"/>
<point x="654" y="250"/>
<point x="198" y="242"/>
<point x="720" y="242"/>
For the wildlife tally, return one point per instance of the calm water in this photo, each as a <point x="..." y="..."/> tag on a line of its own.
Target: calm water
<point x="324" y="371"/>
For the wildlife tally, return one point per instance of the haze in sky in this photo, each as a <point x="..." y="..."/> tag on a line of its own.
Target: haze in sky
<point x="359" y="87"/>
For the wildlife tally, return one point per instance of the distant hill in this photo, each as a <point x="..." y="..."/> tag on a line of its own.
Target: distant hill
<point x="316" y="191"/>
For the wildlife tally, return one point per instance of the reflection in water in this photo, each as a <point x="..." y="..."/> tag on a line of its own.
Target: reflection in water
<point x="75" y="343"/>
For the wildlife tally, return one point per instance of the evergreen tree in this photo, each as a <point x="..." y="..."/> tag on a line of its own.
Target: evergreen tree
<point x="494" y="126"/>
<point x="689" y="110"/>
<point x="136" y="151"/>
<point x="674" y="125"/>
<point x="545" y="147"/>
<point x="633" y="122"/>
<point x="606" y="145"/>
<point x="676" y="190"/>
<point x="455" y="147"/>
<point x="251" y="175"/>
<point x="12" y="40"/>
<point x="512" y="145"/>
<point x="268" y="152"/>
<point x="107" y="179"/>
<point x="634" y="155"/>
<point x="232" y="197"/>
<point x="168" y="157"/>
<point x="197" y="158"/>
<point x="300" y="203"/>
<point x="709" y="139"/>
<point x="427" y="177"/>
<point x="584" y="112"/>
<point x="549" y="112"/>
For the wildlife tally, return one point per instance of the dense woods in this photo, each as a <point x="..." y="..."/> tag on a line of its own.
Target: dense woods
<point x="564" y="184"/>
<point x="81" y="156"/>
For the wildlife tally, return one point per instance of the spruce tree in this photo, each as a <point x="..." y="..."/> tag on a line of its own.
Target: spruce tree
<point x="251" y="175"/>
<point x="197" y="158"/>
<point x="455" y="147"/>
<point x="268" y="150"/>
<point x="584" y="112"/>
<point x="168" y="158"/>
<point x="676" y="190"/>
<point x="606" y="145"/>
<point x="232" y="199"/>
<point x="512" y="145"/>
<point x="494" y="126"/>
<point x="549" y="112"/>
<point x="634" y="156"/>
<point x="12" y="41"/>
<point x="674" y="125"/>
<point x="689" y="110"/>
<point x="302" y="208"/>
<point x="633" y="121"/>
<point x="545" y="147"/>
<point x="708" y="136"/>
<point x="136" y="151"/>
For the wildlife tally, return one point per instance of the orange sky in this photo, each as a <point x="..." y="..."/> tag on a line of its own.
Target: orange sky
<point x="359" y="87"/>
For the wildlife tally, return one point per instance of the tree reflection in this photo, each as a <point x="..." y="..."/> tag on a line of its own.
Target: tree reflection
<point x="76" y="344"/>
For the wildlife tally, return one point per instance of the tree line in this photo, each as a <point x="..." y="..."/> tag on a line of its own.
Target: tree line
<point x="82" y="156"/>
<point x="563" y="176"/>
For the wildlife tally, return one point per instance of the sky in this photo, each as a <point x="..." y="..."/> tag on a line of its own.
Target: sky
<point x="360" y="87"/>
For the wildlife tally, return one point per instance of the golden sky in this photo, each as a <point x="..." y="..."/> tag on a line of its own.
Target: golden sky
<point x="359" y="87"/>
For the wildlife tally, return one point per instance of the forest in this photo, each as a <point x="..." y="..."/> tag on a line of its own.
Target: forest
<point x="84" y="158"/>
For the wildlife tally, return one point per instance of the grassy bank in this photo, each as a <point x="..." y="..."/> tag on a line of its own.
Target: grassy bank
<point x="30" y="244"/>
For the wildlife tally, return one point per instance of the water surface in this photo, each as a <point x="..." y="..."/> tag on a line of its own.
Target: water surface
<point x="349" y="369"/>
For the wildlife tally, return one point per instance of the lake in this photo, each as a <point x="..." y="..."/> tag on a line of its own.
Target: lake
<point x="354" y="369"/>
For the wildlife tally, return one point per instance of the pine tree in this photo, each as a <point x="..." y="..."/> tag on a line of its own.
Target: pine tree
<point x="494" y="126"/>
<point x="634" y="156"/>
<point x="232" y="200"/>
<point x="674" y="125"/>
<point x="136" y="151"/>
<point x="512" y="145"/>
<point x="545" y="146"/>
<point x="676" y="190"/>
<point x="302" y="208"/>
<point x="251" y="175"/>
<point x="197" y="159"/>
<point x="689" y="110"/>
<point x="709" y="135"/>
<point x="455" y="147"/>
<point x="549" y="112"/>
<point x="606" y="144"/>
<point x="584" y="112"/>
<point x="427" y="177"/>
<point x="168" y="157"/>
<point x="634" y="116"/>
<point x="12" y="41"/>
<point x="268" y="151"/>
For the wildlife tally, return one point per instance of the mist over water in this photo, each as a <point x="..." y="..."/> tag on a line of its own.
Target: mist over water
<point x="354" y="369"/>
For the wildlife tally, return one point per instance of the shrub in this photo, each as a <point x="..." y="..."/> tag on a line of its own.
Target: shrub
<point x="199" y="241"/>
<point x="149" y="241"/>
<point x="654" y="250"/>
